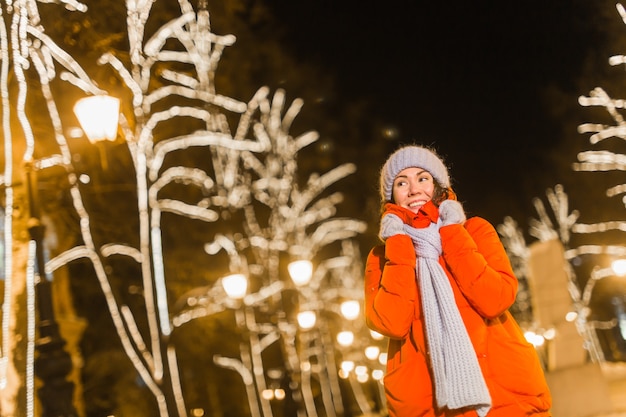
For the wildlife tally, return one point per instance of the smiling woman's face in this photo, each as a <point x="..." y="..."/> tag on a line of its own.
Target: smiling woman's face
<point x="412" y="188"/>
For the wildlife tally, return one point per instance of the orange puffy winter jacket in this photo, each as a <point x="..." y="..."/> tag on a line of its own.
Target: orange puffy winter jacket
<point x="484" y="288"/>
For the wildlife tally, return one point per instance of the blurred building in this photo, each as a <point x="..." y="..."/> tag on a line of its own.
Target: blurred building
<point x="580" y="386"/>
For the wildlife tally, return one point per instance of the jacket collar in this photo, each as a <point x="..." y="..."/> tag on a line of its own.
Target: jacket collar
<point x="428" y="213"/>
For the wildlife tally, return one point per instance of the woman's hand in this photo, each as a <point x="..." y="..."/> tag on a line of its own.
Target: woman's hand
<point x="391" y="225"/>
<point x="451" y="212"/>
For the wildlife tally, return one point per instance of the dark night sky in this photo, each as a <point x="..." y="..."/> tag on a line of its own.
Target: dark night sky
<point x="470" y="78"/>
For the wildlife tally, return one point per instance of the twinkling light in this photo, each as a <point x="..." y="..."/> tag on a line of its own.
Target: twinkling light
<point x="350" y="309"/>
<point x="619" y="267"/>
<point x="372" y="352"/>
<point x="571" y="316"/>
<point x="279" y="394"/>
<point x="376" y="336"/>
<point x="345" y="338"/>
<point x="235" y="285"/>
<point x="300" y="271"/>
<point x="347" y="366"/>
<point x="534" y="338"/>
<point x="98" y="116"/>
<point x="307" y="319"/>
<point x="550" y="333"/>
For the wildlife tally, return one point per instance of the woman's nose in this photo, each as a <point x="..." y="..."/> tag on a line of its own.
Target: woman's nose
<point x="414" y="187"/>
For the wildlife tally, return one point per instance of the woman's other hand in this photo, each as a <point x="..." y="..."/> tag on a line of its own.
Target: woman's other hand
<point x="391" y="225"/>
<point x="451" y="212"/>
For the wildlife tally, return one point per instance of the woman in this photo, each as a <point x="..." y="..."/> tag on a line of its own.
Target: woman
<point x="440" y="288"/>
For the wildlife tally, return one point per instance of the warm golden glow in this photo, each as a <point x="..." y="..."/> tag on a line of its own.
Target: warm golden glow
<point x="300" y="272"/>
<point x="98" y="117"/>
<point x="235" y="286"/>
<point x="345" y="338"/>
<point x="571" y="316"/>
<point x="375" y="335"/>
<point x="361" y="373"/>
<point x="377" y="374"/>
<point x="619" y="267"/>
<point x="306" y="319"/>
<point x="350" y="309"/>
<point x="372" y="352"/>
<point x="550" y="334"/>
<point x="267" y="394"/>
<point x="534" y="338"/>
<point x="279" y="394"/>
<point x="347" y="366"/>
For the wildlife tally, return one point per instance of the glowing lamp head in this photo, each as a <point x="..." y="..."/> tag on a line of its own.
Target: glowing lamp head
<point x="300" y="272"/>
<point x="235" y="286"/>
<point x="98" y="117"/>
<point x="345" y="338"/>
<point x="350" y="309"/>
<point x="619" y="267"/>
<point x="307" y="319"/>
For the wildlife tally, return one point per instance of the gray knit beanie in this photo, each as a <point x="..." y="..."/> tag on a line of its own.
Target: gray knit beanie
<point x="412" y="156"/>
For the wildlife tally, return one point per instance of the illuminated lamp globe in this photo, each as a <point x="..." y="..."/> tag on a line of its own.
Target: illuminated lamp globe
<point x="307" y="319"/>
<point x="361" y="373"/>
<point x="345" y="338"/>
<point x="347" y="366"/>
<point x="571" y="316"/>
<point x="279" y="394"/>
<point x="372" y="352"/>
<point x="300" y="272"/>
<point x="235" y="286"/>
<point x="350" y="309"/>
<point x="376" y="336"/>
<point x="619" y="267"/>
<point x="98" y="117"/>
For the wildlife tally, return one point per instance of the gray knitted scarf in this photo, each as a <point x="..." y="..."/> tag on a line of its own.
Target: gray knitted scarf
<point x="458" y="379"/>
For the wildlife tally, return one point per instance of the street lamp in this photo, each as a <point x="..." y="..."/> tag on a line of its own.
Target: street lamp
<point x="307" y="319"/>
<point x="350" y="309"/>
<point x="235" y="286"/>
<point x="300" y="272"/>
<point x="98" y="117"/>
<point x="53" y="364"/>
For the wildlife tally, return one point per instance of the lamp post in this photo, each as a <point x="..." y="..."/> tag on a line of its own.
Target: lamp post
<point x="52" y="364"/>
<point x="235" y="286"/>
<point x="98" y="117"/>
<point x="315" y="339"/>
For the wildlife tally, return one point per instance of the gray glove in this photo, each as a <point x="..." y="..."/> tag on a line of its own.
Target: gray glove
<point x="391" y="225"/>
<point x="451" y="212"/>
